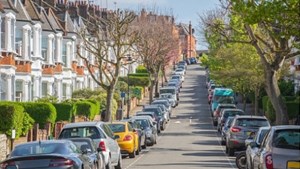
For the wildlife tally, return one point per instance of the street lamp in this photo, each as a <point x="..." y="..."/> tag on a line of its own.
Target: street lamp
<point x="128" y="89"/>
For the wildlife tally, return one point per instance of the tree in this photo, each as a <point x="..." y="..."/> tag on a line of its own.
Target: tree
<point x="272" y="28"/>
<point x="109" y="40"/>
<point x="155" y="45"/>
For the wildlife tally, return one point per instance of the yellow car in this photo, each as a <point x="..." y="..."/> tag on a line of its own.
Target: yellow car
<point x="128" y="138"/>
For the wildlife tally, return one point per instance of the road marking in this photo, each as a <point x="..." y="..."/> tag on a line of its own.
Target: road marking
<point x="136" y="160"/>
<point x="177" y="122"/>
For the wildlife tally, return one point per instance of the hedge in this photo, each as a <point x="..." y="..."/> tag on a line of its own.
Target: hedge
<point x="64" y="111"/>
<point x="102" y="100"/>
<point x="292" y="107"/>
<point x="137" y="92"/>
<point x="41" y="112"/>
<point x="96" y="108"/>
<point x="141" y="69"/>
<point x="139" y="74"/>
<point x="11" y="118"/>
<point x="136" y="80"/>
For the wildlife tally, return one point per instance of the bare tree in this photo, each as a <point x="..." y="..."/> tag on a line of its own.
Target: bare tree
<point x="156" y="41"/>
<point x="108" y="40"/>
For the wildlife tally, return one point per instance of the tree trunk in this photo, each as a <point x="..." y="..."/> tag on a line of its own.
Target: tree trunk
<point x="275" y="97"/>
<point x="156" y="89"/>
<point x="164" y="75"/>
<point x="151" y="91"/>
<point x="256" y="97"/>
<point x="109" y="99"/>
<point x="244" y="98"/>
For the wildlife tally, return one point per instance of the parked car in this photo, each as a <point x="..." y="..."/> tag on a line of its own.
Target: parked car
<point x="101" y="134"/>
<point x="149" y="126"/>
<point x="179" y="71"/>
<point x="167" y="104"/>
<point x="128" y="139"/>
<point x="174" y="84"/>
<point x="171" y="90"/>
<point x="217" y="112"/>
<point x="257" y="140"/>
<point x="225" y="113"/>
<point x="165" y="114"/>
<point x="141" y="133"/>
<point x="47" y="154"/>
<point x="241" y="128"/>
<point x="172" y="98"/>
<point x="88" y="147"/>
<point x="176" y="76"/>
<point x="209" y="96"/>
<point x="193" y="60"/>
<point x="225" y="129"/>
<point x="279" y="149"/>
<point x="160" y="120"/>
<point x="222" y="95"/>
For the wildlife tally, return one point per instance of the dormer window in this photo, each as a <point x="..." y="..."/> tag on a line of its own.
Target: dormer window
<point x="8" y="32"/>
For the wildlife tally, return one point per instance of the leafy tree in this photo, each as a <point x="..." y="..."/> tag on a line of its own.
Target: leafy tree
<point x="272" y="28"/>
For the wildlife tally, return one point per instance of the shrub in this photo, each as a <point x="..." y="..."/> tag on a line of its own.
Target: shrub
<point x="85" y="93"/>
<point x="11" y="118"/>
<point x="139" y="74"/>
<point x="137" y="81"/>
<point x="41" y="112"/>
<point x="141" y="69"/>
<point x="102" y="100"/>
<point x="293" y="108"/>
<point x="137" y="92"/>
<point x="96" y="109"/>
<point x="286" y="87"/>
<point x="27" y="124"/>
<point x="64" y="111"/>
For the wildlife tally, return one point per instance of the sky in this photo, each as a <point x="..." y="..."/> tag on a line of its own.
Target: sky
<point x="184" y="11"/>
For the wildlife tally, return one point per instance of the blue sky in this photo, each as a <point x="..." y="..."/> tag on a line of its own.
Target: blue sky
<point x="183" y="10"/>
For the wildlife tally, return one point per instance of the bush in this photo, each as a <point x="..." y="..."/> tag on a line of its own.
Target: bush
<point x="27" y="124"/>
<point x="286" y="87"/>
<point x="293" y="108"/>
<point x="139" y="74"/>
<point x="96" y="109"/>
<point x="11" y="118"/>
<point x="141" y="69"/>
<point x="85" y="93"/>
<point x="136" y="81"/>
<point x="136" y="92"/>
<point x="64" y="111"/>
<point x="41" y="112"/>
<point x="102" y="100"/>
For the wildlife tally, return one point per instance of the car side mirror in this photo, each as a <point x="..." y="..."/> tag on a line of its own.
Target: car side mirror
<point x="248" y="141"/>
<point x="85" y="151"/>
<point x="253" y="144"/>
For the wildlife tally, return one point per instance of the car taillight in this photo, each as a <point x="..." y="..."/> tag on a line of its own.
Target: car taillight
<point x="6" y="164"/>
<point x="102" y="145"/>
<point x="60" y="162"/>
<point x="235" y="129"/>
<point x="127" y="138"/>
<point x="269" y="161"/>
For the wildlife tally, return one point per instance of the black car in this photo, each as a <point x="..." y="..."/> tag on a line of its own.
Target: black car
<point x="149" y="126"/>
<point x="87" y="146"/>
<point x="141" y="133"/>
<point x="161" y="121"/>
<point x="153" y="116"/>
<point x="56" y="154"/>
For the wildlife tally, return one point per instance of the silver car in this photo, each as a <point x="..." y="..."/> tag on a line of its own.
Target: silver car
<point x="101" y="134"/>
<point x="225" y="129"/>
<point x="149" y="126"/>
<point x="253" y="145"/>
<point x="225" y="113"/>
<point x="240" y="130"/>
<point x="280" y="149"/>
<point x="169" y="96"/>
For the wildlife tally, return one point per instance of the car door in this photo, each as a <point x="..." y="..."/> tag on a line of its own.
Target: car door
<point x="260" y="152"/>
<point x="112" y="143"/>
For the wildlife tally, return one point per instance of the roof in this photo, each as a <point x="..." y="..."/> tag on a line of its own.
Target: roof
<point x="280" y="127"/>
<point x="83" y="124"/>
<point x="7" y="4"/>
<point x="31" y="10"/>
<point x="251" y="117"/>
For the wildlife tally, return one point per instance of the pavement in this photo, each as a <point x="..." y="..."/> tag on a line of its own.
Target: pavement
<point x="190" y="139"/>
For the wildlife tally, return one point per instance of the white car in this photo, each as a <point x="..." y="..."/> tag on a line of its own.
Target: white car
<point x="179" y="71"/>
<point x="172" y="98"/>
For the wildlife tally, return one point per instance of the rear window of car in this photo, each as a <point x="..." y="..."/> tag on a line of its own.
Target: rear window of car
<point x="287" y="139"/>
<point x="143" y="122"/>
<point x="252" y="123"/>
<point x="155" y="110"/>
<point x="262" y="136"/>
<point x="117" y="128"/>
<point x="36" y="148"/>
<point x="81" y="132"/>
<point x="232" y="113"/>
<point x="167" y="91"/>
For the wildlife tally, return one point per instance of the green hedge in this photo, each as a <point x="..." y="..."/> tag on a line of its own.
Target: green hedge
<point x="96" y="108"/>
<point x="137" y="92"/>
<point x="139" y="74"/>
<point x="141" y="69"/>
<point x="40" y="112"/>
<point x="136" y="81"/>
<point x="64" y="111"/>
<point x="11" y="118"/>
<point x="292" y="107"/>
<point x="27" y="124"/>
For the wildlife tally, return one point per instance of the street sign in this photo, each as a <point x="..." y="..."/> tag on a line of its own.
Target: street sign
<point x="123" y="94"/>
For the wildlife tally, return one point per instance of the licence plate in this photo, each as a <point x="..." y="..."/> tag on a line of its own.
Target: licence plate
<point x="293" y="165"/>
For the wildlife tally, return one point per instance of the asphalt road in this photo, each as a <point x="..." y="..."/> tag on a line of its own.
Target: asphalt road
<point x="190" y="140"/>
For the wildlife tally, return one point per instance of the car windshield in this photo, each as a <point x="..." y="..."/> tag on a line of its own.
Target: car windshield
<point x="172" y="84"/>
<point x="143" y="123"/>
<point x="252" y="123"/>
<point x="232" y="113"/>
<point x="39" y="148"/>
<point x="155" y="110"/>
<point x="80" y="132"/>
<point x="167" y="91"/>
<point x="166" y="96"/>
<point x="224" y="99"/>
<point x="175" y="77"/>
<point x="287" y="139"/>
<point x="117" y="128"/>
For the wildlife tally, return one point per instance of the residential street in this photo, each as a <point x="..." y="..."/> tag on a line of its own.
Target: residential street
<point x="190" y="140"/>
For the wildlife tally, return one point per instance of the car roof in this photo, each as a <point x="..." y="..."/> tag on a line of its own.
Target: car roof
<point x="221" y="104"/>
<point x="62" y="141"/>
<point x="142" y="117"/>
<point x="169" y="87"/>
<point x="280" y="127"/>
<point x="143" y="112"/>
<point x="226" y="109"/>
<point x="250" y="117"/>
<point x="150" y="106"/>
<point x="83" y="124"/>
<point x="81" y="139"/>
<point x="117" y="122"/>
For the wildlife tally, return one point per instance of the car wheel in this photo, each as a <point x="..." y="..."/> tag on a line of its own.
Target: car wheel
<point x="226" y="150"/>
<point x="145" y="145"/>
<point x="119" y="166"/>
<point x="241" y="161"/>
<point x="132" y="155"/>
<point x="215" y="123"/>
<point x="137" y="152"/>
<point x="223" y="142"/>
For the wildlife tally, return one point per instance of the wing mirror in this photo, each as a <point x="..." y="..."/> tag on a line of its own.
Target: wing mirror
<point x="248" y="141"/>
<point x="116" y="137"/>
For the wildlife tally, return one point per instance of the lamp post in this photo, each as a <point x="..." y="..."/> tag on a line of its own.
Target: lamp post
<point x="128" y="89"/>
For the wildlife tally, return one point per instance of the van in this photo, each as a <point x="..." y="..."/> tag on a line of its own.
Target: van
<point x="222" y="95"/>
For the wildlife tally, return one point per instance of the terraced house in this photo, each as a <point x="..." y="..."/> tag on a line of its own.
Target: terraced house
<point x="39" y="41"/>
